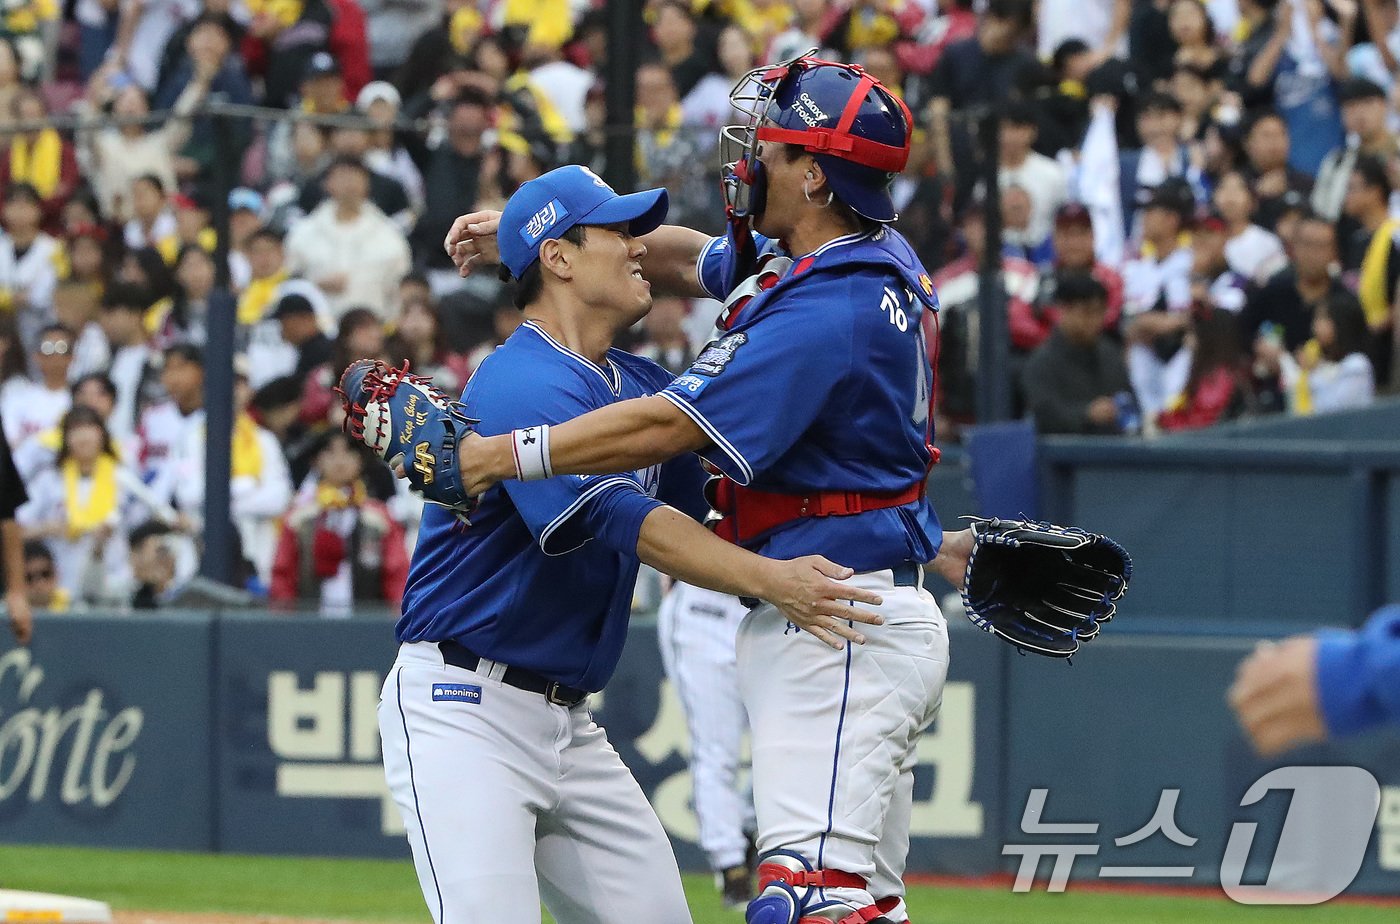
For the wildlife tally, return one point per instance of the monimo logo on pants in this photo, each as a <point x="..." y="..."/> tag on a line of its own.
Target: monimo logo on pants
<point x="456" y="692"/>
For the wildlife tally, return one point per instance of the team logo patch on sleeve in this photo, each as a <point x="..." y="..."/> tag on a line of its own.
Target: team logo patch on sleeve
<point x="715" y="357"/>
<point x="456" y="693"/>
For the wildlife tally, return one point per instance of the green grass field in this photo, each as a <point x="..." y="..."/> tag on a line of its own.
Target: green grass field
<point x="372" y="890"/>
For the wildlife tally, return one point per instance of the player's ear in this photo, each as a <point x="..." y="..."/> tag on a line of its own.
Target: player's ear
<point x="556" y="259"/>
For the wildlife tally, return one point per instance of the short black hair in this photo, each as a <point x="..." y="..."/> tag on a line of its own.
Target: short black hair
<point x="1018" y="112"/>
<point x="1079" y="287"/>
<point x="338" y="435"/>
<point x="154" y="180"/>
<point x="189" y="352"/>
<point x="1262" y="114"/>
<point x="37" y="548"/>
<point x="416" y="277"/>
<point x="1371" y="170"/>
<point x="1306" y="215"/>
<point x="472" y="96"/>
<point x="1159" y="102"/>
<point x="101" y="378"/>
<point x="531" y="282"/>
<point x="123" y="295"/>
<point x="23" y="191"/>
<point x="151" y="529"/>
<point x="1066" y="50"/>
<point x="348" y="160"/>
<point x="1018" y="11"/>
<point x="63" y="329"/>
<point x="279" y="392"/>
<point x="267" y="234"/>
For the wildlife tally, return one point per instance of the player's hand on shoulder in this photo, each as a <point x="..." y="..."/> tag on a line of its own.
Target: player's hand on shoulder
<point x="807" y="591"/>
<point x="472" y="240"/>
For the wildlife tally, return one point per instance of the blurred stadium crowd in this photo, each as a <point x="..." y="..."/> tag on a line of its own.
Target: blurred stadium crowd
<point x="1195" y="197"/>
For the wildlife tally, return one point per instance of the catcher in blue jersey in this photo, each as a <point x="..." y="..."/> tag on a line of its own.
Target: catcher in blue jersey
<point x="509" y="792"/>
<point x="814" y="402"/>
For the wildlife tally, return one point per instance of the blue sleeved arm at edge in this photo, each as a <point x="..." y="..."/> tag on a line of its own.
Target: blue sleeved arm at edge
<point x="1358" y="674"/>
<point x="615" y="516"/>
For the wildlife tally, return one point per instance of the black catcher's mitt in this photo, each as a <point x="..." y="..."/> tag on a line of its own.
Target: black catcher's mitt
<point x="407" y="421"/>
<point x="1041" y="587"/>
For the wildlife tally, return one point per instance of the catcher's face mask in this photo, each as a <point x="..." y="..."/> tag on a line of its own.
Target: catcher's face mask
<point x="745" y="183"/>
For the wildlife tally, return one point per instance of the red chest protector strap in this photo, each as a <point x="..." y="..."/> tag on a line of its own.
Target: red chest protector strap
<point x="749" y="513"/>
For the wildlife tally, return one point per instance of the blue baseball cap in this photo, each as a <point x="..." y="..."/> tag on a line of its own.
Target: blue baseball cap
<point x="544" y="208"/>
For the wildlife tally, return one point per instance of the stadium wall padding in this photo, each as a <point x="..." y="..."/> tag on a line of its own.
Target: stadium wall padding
<point x="257" y="734"/>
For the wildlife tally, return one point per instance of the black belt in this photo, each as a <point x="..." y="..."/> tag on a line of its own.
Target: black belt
<point x="906" y="574"/>
<point x="518" y="677"/>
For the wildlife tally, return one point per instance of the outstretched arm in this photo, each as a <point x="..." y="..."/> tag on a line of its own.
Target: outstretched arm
<point x="805" y="590"/>
<point x="669" y="264"/>
<point x="621" y="437"/>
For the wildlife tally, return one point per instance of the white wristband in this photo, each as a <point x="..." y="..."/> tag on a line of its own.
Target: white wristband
<point x="531" y="449"/>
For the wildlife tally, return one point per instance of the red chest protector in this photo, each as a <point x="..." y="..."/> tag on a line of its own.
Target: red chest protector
<point x="748" y="513"/>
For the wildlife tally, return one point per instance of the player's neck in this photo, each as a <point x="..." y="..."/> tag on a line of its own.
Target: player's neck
<point x="588" y="336"/>
<point x="814" y="229"/>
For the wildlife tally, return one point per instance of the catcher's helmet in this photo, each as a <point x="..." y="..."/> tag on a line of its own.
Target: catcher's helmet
<point x="858" y="130"/>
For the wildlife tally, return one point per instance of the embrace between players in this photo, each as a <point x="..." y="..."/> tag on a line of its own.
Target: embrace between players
<point x="568" y="462"/>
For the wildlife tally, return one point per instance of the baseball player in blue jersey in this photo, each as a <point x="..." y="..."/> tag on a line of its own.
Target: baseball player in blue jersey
<point x="815" y="405"/>
<point x="509" y="791"/>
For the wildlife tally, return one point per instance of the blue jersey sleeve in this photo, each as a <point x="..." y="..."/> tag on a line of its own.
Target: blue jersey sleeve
<point x="709" y="268"/>
<point x="755" y="366"/>
<point x="1358" y="675"/>
<point x="683" y="486"/>
<point x="560" y="511"/>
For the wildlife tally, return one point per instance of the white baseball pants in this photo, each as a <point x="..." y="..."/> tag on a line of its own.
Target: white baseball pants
<point x="834" y="733"/>
<point x="508" y="799"/>
<point x="695" y="630"/>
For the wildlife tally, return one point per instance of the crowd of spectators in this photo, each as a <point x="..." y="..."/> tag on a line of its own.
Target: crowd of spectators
<point x="1195" y="197"/>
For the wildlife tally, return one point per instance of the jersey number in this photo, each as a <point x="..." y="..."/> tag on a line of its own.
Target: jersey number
<point x="889" y="304"/>
<point x="921" y="387"/>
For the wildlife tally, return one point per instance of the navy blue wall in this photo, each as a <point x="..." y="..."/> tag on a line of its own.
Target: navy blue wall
<point x="257" y="734"/>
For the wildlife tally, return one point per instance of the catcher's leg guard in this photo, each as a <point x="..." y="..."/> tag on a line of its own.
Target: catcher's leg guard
<point x="893" y="909"/>
<point x="788" y="894"/>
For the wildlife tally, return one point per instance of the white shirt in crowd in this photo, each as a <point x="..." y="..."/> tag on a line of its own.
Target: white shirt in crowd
<point x="127" y="370"/>
<point x="707" y="104"/>
<point x="1256" y="254"/>
<point x="136" y="237"/>
<point x="32" y="275"/>
<point x="1045" y="182"/>
<point x="566" y="85"/>
<point x="369" y="250"/>
<point x="1149" y="282"/>
<point x="1087" y="20"/>
<point x="85" y="569"/>
<point x="158" y="20"/>
<point x="1333" y="386"/>
<point x="29" y="408"/>
<point x="165" y="436"/>
<point x="257" y="502"/>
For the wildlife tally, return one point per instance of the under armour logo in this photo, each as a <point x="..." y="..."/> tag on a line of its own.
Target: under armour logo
<point x="791" y="627"/>
<point x="529" y="436"/>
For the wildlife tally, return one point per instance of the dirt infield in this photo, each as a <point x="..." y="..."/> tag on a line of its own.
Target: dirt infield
<point x="171" y="917"/>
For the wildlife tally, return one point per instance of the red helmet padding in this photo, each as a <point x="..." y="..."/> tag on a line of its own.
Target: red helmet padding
<point x="839" y="141"/>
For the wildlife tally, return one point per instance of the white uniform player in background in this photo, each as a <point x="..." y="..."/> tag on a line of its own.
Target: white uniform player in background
<point x="695" y="630"/>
